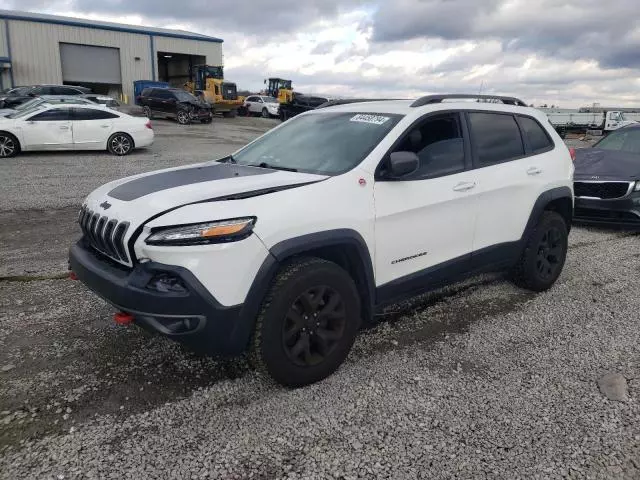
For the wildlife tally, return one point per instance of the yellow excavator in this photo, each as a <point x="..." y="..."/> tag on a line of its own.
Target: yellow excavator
<point x="280" y="89"/>
<point x="207" y="82"/>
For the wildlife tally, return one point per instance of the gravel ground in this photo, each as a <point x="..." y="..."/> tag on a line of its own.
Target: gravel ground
<point x="62" y="179"/>
<point x="479" y="380"/>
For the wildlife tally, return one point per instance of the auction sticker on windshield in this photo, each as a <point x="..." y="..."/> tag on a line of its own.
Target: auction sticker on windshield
<point x="374" y="119"/>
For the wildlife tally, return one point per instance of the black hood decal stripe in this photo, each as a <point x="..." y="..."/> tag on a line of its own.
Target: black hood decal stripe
<point x="177" y="178"/>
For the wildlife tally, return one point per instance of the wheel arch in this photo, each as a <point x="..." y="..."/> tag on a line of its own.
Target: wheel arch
<point x="344" y="247"/>
<point x="7" y="132"/>
<point x="559" y="199"/>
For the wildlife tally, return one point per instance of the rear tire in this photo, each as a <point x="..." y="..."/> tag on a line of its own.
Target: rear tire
<point x="265" y="113"/>
<point x="120" y="144"/>
<point x="544" y="255"/>
<point x="307" y="324"/>
<point x="9" y="145"/>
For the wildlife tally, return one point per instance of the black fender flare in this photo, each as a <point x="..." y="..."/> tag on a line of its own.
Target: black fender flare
<point x="541" y="205"/>
<point x="287" y="249"/>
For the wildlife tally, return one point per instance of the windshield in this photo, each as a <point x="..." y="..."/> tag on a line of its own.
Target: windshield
<point x="270" y="99"/>
<point x="30" y="104"/>
<point x="326" y="143"/>
<point x="627" y="140"/>
<point x="184" y="96"/>
<point x="20" y="91"/>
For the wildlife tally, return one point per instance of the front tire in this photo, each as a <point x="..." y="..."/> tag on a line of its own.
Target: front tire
<point x="9" y="145"/>
<point x="147" y="113"/>
<point x="545" y="253"/>
<point x="265" y="113"/>
<point x="183" y="117"/>
<point x="307" y="324"/>
<point x="120" y="144"/>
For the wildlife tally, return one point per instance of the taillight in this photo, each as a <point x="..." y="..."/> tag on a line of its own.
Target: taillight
<point x="572" y="152"/>
<point x="148" y="125"/>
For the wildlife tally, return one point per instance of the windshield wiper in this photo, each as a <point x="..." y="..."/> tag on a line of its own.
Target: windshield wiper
<point x="228" y="159"/>
<point x="276" y="167"/>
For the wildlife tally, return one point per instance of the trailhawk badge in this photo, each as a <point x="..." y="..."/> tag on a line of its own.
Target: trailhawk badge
<point x="105" y="205"/>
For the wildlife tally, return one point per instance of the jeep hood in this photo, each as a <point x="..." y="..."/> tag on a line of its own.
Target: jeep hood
<point x="138" y="198"/>
<point x="606" y="164"/>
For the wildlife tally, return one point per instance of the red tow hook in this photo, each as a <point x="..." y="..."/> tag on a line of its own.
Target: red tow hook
<point x="72" y="276"/>
<point x="122" y="318"/>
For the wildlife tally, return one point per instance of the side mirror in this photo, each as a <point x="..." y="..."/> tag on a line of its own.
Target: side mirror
<point x="402" y="163"/>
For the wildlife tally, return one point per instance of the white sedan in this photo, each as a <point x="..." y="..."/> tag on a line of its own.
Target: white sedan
<point x="73" y="127"/>
<point x="265" y="106"/>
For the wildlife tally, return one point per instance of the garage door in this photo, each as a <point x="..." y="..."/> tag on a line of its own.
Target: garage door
<point x="89" y="64"/>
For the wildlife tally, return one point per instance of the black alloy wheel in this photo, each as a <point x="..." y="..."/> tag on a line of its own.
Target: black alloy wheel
<point x="307" y="323"/>
<point x="544" y="254"/>
<point x="314" y="325"/>
<point x="550" y="253"/>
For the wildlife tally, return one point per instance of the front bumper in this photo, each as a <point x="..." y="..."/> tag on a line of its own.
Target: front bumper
<point x="622" y="212"/>
<point x="193" y="317"/>
<point x="201" y="114"/>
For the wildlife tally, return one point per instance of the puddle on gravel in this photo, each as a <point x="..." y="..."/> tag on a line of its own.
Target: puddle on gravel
<point x="454" y="310"/>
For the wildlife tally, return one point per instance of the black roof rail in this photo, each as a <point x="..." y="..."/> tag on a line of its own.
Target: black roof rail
<point x="426" y="100"/>
<point x="346" y="101"/>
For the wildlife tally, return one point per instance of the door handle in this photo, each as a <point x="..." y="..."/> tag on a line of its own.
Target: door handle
<point x="64" y="127"/>
<point x="104" y="126"/>
<point x="464" y="186"/>
<point x="534" y="171"/>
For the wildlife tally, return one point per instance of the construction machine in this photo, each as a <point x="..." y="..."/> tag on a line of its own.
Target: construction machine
<point x="280" y="89"/>
<point x="207" y="82"/>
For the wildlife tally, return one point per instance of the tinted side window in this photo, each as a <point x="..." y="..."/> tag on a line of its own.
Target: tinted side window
<point x="146" y="92"/>
<point x="496" y="138"/>
<point x="162" y="94"/>
<point x="536" y="135"/>
<point x="439" y="145"/>
<point x="90" y="114"/>
<point x="53" y="115"/>
<point x="251" y="99"/>
<point x="64" y="91"/>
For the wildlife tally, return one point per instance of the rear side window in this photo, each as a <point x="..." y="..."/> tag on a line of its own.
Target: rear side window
<point x="91" y="114"/>
<point x="53" y="115"/>
<point x="496" y="138"/>
<point x="536" y="135"/>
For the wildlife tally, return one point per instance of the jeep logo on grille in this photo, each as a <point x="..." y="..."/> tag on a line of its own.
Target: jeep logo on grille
<point x="105" y="205"/>
<point x="595" y="177"/>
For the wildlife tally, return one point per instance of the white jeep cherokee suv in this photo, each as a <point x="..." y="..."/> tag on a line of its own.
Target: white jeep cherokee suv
<point x="284" y="248"/>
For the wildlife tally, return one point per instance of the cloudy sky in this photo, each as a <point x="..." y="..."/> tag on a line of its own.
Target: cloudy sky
<point x="569" y="53"/>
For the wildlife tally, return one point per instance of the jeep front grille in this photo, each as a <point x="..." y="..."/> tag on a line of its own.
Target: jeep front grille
<point x="603" y="190"/>
<point x="104" y="234"/>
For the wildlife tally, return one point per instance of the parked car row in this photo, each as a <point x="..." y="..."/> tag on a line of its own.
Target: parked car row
<point x="64" y="125"/>
<point x="174" y="103"/>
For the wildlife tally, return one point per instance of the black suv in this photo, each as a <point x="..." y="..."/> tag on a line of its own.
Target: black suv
<point x="174" y="103"/>
<point x="17" y="96"/>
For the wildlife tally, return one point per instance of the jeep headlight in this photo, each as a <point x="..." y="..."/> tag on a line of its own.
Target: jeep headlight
<point x="637" y="187"/>
<point x="220" y="231"/>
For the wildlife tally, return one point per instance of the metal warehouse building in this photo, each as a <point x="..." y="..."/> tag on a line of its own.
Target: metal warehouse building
<point x="107" y="57"/>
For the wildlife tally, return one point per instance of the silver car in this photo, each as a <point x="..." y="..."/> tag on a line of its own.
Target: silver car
<point x="49" y="99"/>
